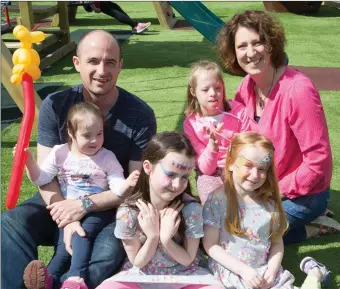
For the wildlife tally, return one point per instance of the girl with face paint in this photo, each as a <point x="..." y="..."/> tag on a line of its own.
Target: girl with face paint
<point x="161" y="223"/>
<point x="244" y="222"/>
<point x="211" y="121"/>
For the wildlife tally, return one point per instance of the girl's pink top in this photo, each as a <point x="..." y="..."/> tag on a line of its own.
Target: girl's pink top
<point x="294" y="120"/>
<point x="207" y="160"/>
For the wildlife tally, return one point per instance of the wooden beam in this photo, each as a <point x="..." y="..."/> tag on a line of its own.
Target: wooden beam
<point x="56" y="55"/>
<point x="49" y="40"/>
<point x="26" y="15"/>
<point x="63" y="21"/>
<point x="15" y="91"/>
<point x="165" y="14"/>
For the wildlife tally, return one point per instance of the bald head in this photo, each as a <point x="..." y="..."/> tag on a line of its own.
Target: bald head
<point x="91" y="38"/>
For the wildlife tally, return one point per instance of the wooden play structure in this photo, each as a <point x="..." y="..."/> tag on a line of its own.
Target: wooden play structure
<point x="15" y="91"/>
<point x="165" y="14"/>
<point x="58" y="42"/>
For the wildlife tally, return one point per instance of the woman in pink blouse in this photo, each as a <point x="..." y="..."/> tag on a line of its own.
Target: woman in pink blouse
<point x="284" y="106"/>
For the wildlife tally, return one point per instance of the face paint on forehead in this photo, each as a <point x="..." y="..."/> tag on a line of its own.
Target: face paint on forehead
<point x="267" y="159"/>
<point x="182" y="166"/>
<point x="241" y="161"/>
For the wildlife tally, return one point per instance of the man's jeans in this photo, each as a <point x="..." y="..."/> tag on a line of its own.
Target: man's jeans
<point x="29" y="225"/>
<point x="300" y="212"/>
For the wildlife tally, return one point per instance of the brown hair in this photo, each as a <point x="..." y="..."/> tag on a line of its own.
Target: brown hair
<point x="158" y="147"/>
<point x="77" y="112"/>
<point x="269" y="190"/>
<point x="192" y="105"/>
<point x="271" y="35"/>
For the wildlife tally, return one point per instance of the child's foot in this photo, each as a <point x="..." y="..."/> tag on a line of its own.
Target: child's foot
<point x="141" y="27"/>
<point x="74" y="283"/>
<point x="36" y="276"/>
<point x="308" y="264"/>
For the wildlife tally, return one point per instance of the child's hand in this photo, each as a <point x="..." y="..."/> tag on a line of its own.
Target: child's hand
<point x="170" y="220"/>
<point x="133" y="178"/>
<point x="213" y="140"/>
<point x="252" y="278"/>
<point x="269" y="278"/>
<point x="29" y="153"/>
<point x="148" y="219"/>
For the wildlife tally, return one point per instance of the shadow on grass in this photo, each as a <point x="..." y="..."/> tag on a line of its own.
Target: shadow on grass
<point x="325" y="11"/>
<point x="11" y="144"/>
<point x="93" y="21"/>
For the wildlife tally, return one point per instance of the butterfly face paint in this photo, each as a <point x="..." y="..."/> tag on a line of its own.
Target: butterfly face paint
<point x="250" y="168"/>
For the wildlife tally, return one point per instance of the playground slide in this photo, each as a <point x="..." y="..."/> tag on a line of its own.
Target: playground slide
<point x="200" y="17"/>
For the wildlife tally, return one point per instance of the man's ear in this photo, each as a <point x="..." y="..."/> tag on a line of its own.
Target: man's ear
<point x="147" y="166"/>
<point x="76" y="62"/>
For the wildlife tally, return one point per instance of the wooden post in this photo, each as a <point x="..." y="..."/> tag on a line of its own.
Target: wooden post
<point x="63" y="21"/>
<point x="165" y="14"/>
<point x="26" y="15"/>
<point x="15" y="91"/>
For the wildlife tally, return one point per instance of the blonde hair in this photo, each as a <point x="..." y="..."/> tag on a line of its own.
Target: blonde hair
<point x="269" y="190"/>
<point x="192" y="105"/>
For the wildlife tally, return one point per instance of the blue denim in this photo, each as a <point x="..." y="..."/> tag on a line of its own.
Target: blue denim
<point x="61" y="261"/>
<point x="300" y="212"/>
<point x="29" y="225"/>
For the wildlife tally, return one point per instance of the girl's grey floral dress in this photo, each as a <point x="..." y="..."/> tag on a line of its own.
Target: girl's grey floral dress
<point x="163" y="271"/>
<point x="252" y="250"/>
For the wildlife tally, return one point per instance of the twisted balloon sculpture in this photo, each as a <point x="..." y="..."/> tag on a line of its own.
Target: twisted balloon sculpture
<point x="26" y="69"/>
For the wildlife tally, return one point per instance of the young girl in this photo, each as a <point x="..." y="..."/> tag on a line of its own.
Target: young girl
<point x="244" y="223"/>
<point x="161" y="223"/>
<point x="211" y="121"/>
<point x="83" y="168"/>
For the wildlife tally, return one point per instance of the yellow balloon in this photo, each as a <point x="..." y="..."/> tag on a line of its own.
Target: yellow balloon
<point x="35" y="58"/>
<point x="23" y="35"/>
<point x="33" y="71"/>
<point x="24" y="56"/>
<point x="17" y="69"/>
<point x="16" y="78"/>
<point x="37" y="36"/>
<point x="26" y="45"/>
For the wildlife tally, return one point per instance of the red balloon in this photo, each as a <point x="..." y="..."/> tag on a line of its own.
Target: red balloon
<point x="23" y="142"/>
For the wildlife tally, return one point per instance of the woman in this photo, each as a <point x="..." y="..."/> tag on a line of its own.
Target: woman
<point x="285" y="107"/>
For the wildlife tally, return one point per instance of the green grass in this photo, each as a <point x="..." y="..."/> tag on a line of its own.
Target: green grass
<point x="156" y="69"/>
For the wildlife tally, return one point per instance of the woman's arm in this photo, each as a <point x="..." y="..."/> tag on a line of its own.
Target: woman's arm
<point x="308" y="124"/>
<point x="184" y="256"/>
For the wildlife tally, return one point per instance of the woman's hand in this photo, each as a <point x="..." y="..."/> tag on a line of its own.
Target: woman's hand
<point x="251" y="277"/>
<point x="148" y="219"/>
<point x="170" y="220"/>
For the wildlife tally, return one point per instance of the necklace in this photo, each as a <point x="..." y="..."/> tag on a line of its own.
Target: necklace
<point x="262" y="99"/>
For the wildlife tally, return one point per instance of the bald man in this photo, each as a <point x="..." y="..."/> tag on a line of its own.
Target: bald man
<point x="129" y="124"/>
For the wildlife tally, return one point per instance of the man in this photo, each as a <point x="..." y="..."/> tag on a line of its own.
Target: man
<point x="129" y="124"/>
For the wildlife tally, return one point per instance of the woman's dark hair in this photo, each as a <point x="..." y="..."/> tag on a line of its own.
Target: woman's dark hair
<point x="271" y="35"/>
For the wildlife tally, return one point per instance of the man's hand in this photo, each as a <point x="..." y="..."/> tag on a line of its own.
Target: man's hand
<point x="69" y="230"/>
<point x="66" y="211"/>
